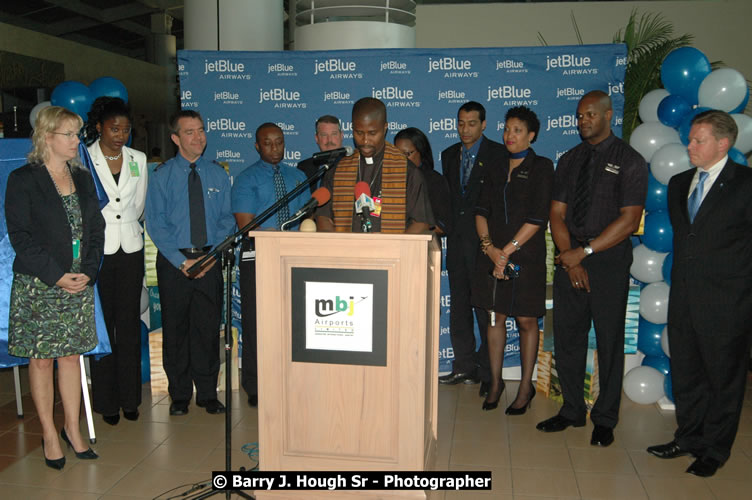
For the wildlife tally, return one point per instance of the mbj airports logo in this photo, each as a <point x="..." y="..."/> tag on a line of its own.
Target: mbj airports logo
<point x="571" y="64"/>
<point x="281" y="69"/>
<point x="337" y="69"/>
<point x="446" y="126"/>
<point x="186" y="99"/>
<point x="395" y="97"/>
<point x="452" y="96"/>
<point x="511" y="95"/>
<point x="228" y="128"/>
<point x="324" y="308"/>
<point x="510" y="66"/>
<point x="227" y="97"/>
<point x="338" y="97"/>
<point x="394" y="67"/>
<point x="282" y="98"/>
<point x="452" y="67"/>
<point x="226" y="69"/>
<point x="567" y="124"/>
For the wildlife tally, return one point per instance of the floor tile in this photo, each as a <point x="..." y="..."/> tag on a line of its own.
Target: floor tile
<point x="604" y="486"/>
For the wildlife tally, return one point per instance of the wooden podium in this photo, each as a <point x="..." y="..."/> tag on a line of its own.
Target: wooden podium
<point x="327" y="412"/>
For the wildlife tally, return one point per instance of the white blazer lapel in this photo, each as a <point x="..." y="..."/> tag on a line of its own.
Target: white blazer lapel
<point x="105" y="176"/>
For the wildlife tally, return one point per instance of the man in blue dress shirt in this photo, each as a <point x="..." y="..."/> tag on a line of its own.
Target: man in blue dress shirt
<point x="191" y="304"/>
<point x="256" y="189"/>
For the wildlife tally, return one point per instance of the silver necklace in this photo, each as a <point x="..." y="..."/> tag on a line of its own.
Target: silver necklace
<point x="113" y="158"/>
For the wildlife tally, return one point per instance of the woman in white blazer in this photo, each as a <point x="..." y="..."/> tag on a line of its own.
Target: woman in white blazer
<point x="116" y="379"/>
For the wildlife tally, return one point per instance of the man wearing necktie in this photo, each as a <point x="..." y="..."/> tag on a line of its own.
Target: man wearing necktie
<point x="710" y="303"/>
<point x="187" y="213"/>
<point x="464" y="165"/>
<point x="599" y="193"/>
<point x="254" y="190"/>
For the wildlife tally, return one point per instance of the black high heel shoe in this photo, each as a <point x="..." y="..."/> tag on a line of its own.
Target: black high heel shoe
<point x="492" y="405"/>
<point x="84" y="455"/>
<point x="520" y="411"/>
<point x="56" y="464"/>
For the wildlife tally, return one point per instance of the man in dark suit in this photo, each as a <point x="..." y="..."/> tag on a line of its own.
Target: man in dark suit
<point x="710" y="303"/>
<point x="464" y="166"/>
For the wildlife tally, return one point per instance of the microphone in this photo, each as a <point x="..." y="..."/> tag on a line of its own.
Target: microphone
<point x="323" y="157"/>
<point x="364" y="204"/>
<point x="319" y="197"/>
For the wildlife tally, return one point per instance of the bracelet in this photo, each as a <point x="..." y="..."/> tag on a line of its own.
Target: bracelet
<point x="516" y="244"/>
<point x="485" y="243"/>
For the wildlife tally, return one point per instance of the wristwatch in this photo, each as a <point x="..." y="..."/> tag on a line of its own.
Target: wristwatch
<point x="182" y="266"/>
<point x="588" y="250"/>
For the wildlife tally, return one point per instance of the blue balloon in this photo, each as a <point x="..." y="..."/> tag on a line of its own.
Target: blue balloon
<point x="740" y="108"/>
<point x="108" y="86"/>
<point x="74" y="96"/>
<point x="737" y="156"/>
<point x="657" y="198"/>
<point x="659" y="234"/>
<point x="649" y="337"/>
<point x="682" y="72"/>
<point x="668" y="387"/>
<point x="660" y="363"/>
<point x="672" y="109"/>
<point x="668" y="263"/>
<point x="686" y="123"/>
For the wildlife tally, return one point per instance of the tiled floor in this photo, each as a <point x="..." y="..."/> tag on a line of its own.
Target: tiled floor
<point x="147" y="458"/>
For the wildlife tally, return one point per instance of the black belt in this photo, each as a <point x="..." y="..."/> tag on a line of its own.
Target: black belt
<point x="195" y="253"/>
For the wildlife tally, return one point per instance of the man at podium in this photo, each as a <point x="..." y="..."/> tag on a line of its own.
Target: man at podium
<point x="391" y="192"/>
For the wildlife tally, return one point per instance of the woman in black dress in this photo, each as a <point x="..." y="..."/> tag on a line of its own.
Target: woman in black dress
<point x="414" y="143"/>
<point x="57" y="232"/>
<point x="511" y="218"/>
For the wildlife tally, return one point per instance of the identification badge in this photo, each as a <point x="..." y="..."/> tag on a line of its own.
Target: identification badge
<point x="134" y="169"/>
<point x="76" y="249"/>
<point x="377" y="212"/>
<point x="614" y="169"/>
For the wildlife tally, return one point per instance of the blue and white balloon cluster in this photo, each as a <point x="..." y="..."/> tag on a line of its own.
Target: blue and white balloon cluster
<point x="77" y="97"/>
<point x="691" y="87"/>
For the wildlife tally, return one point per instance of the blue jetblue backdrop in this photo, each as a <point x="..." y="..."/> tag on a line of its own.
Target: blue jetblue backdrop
<point x="237" y="91"/>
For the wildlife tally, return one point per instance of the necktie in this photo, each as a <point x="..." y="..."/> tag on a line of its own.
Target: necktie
<point x="279" y="192"/>
<point x="467" y="168"/>
<point x="582" y="191"/>
<point x="196" y="209"/>
<point x="695" y="199"/>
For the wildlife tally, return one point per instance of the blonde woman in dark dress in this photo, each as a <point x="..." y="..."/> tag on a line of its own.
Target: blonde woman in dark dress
<point x="57" y="232"/>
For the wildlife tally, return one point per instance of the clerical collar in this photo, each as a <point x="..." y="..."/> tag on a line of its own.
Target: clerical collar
<point x="521" y="154"/>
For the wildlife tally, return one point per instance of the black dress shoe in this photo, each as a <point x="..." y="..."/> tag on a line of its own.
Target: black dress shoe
<point x="484" y="386"/>
<point x="111" y="419"/>
<point x="212" y="406"/>
<point x="704" y="467"/>
<point x="557" y="423"/>
<point x="253" y="400"/>
<point x="130" y="414"/>
<point x="83" y="455"/>
<point x="56" y="464"/>
<point x="179" y="408"/>
<point x="602" y="436"/>
<point x="669" y="450"/>
<point x="457" y="377"/>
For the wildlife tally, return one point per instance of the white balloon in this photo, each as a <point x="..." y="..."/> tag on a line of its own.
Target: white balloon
<point x="668" y="161"/>
<point x="654" y="302"/>
<point x="648" y="109"/>
<point x="144" y="300"/>
<point x="723" y="89"/>
<point x="35" y="111"/>
<point x="647" y="264"/>
<point x="664" y="342"/>
<point x="648" y="138"/>
<point x="744" y="139"/>
<point x="644" y="385"/>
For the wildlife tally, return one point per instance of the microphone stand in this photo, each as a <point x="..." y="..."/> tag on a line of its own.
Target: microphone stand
<point x="227" y="247"/>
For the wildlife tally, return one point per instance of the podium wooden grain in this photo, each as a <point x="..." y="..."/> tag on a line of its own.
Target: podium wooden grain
<point x="328" y="417"/>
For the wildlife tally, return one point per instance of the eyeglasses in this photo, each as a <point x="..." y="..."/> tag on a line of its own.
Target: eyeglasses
<point x="68" y="135"/>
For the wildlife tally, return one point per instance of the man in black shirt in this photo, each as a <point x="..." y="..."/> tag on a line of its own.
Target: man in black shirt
<point x="599" y="193"/>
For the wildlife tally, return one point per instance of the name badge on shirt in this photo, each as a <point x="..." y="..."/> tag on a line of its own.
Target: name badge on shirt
<point x="614" y="169"/>
<point x="76" y="249"/>
<point x="134" y="169"/>
<point x="523" y="174"/>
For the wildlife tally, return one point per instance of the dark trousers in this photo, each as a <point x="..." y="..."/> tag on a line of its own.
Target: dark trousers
<point x="574" y="309"/>
<point x="461" y="326"/>
<point x="191" y="318"/>
<point x="708" y="375"/>
<point x="248" y="322"/>
<point x="116" y="379"/>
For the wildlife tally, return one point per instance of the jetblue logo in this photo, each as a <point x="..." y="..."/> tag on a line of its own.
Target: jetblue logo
<point x="511" y="66"/>
<point x="621" y="61"/>
<point x="571" y="64"/>
<point x="287" y="128"/>
<point x="442" y="125"/>
<point x="563" y="122"/>
<point x="228" y="154"/>
<point x="230" y="70"/>
<point x="452" y="95"/>
<point x="394" y="67"/>
<point x="508" y="92"/>
<point x="615" y="88"/>
<point x="337" y="69"/>
<point x="227" y="97"/>
<point x="292" y="156"/>
<point x="186" y="95"/>
<point x="224" y="124"/>
<point x="391" y="93"/>
<point x="569" y="93"/>
<point x="452" y="67"/>
<point x="282" y="98"/>
<point x="338" y="97"/>
<point x="280" y="68"/>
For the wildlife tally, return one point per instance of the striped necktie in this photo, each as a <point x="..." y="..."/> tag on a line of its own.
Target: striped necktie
<point x="279" y="192"/>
